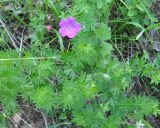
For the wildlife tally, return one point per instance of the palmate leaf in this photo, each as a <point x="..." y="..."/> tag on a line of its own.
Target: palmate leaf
<point x="137" y="107"/>
<point x="87" y="37"/>
<point x="67" y="97"/>
<point x="90" y="117"/>
<point x="81" y="56"/>
<point x="104" y="54"/>
<point x="72" y="95"/>
<point x="88" y="20"/>
<point x="113" y="121"/>
<point x="44" y="98"/>
<point x="103" y="32"/>
<point x="145" y="106"/>
<point x="75" y="93"/>
<point x="86" y="53"/>
<point x="46" y="69"/>
<point x="100" y="3"/>
<point x="10" y="81"/>
<point x="72" y="61"/>
<point x="40" y="71"/>
<point x="87" y="15"/>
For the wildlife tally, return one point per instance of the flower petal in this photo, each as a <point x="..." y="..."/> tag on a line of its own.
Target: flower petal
<point x="77" y="27"/>
<point x="63" y="31"/>
<point x="71" y="20"/>
<point x="71" y="33"/>
<point x="63" y="23"/>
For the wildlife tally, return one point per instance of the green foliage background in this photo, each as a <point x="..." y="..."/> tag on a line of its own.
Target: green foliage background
<point x="88" y="84"/>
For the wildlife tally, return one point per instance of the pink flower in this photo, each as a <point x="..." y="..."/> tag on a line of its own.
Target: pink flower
<point x="69" y="27"/>
<point x="49" y="27"/>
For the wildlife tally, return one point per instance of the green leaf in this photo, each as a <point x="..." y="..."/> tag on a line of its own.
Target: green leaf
<point x="100" y="4"/>
<point x="132" y="12"/>
<point x="44" y="97"/>
<point x="103" y="32"/>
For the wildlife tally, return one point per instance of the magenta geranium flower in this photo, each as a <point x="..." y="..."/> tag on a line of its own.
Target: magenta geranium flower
<point x="69" y="27"/>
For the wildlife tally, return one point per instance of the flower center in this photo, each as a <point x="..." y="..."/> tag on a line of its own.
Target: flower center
<point x="70" y="28"/>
